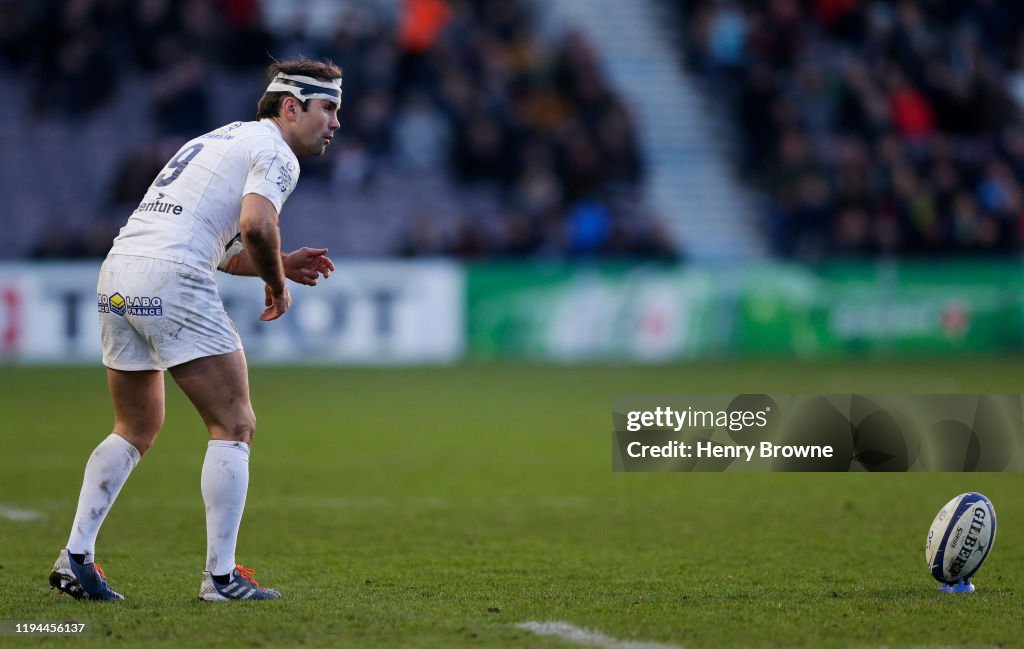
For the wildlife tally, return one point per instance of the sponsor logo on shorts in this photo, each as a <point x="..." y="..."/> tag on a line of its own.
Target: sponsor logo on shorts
<point x="117" y="304"/>
<point x="129" y="305"/>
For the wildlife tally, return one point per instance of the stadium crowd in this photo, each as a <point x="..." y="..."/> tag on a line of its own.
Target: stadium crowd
<point x="875" y="127"/>
<point x="465" y="87"/>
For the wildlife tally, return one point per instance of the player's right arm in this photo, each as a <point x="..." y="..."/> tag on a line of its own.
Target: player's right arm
<point x="262" y="239"/>
<point x="303" y="266"/>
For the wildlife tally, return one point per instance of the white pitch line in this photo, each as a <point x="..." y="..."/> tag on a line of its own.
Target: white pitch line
<point x="15" y="514"/>
<point x="578" y="635"/>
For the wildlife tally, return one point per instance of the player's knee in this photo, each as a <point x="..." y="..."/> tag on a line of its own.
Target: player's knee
<point x="142" y="442"/>
<point x="139" y="434"/>
<point x="237" y="427"/>
<point x="243" y="430"/>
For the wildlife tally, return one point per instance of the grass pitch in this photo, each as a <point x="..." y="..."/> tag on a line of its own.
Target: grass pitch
<point x="445" y="507"/>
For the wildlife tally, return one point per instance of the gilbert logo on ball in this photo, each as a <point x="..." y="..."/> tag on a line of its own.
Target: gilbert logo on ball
<point x="960" y="538"/>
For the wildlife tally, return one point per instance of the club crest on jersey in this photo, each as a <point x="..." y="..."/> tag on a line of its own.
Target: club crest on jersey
<point x="281" y="174"/>
<point x="129" y="305"/>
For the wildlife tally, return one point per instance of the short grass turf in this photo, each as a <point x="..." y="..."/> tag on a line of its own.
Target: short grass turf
<point x="442" y="507"/>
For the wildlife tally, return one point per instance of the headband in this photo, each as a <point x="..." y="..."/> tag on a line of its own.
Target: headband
<point x="306" y="87"/>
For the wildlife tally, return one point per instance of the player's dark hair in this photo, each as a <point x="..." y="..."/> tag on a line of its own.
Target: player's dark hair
<point x="270" y="103"/>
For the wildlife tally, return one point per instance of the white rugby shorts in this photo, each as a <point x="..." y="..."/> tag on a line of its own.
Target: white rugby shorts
<point x="156" y="314"/>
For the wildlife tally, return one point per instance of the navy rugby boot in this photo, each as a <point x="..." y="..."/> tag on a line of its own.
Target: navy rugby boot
<point x="81" y="580"/>
<point x="241" y="586"/>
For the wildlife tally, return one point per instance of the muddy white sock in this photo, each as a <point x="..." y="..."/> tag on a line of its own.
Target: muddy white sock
<point x="225" y="482"/>
<point x="105" y="473"/>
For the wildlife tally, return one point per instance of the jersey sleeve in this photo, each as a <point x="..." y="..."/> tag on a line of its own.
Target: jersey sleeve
<point x="273" y="173"/>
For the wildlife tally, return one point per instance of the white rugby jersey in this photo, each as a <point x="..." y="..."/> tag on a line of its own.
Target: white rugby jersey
<point x="190" y="214"/>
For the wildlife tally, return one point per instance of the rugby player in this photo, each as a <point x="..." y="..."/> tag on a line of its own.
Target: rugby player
<point x="215" y="205"/>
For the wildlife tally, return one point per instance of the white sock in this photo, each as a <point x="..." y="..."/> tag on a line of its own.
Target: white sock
<point x="225" y="482"/>
<point x="105" y="473"/>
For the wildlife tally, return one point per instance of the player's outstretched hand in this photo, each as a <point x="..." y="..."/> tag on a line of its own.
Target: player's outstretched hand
<point x="277" y="303"/>
<point x="306" y="265"/>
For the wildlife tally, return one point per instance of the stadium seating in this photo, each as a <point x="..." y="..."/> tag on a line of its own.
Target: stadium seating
<point x="875" y="128"/>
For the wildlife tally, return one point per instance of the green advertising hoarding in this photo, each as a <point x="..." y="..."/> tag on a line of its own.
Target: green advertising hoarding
<point x="576" y="313"/>
<point x="659" y="313"/>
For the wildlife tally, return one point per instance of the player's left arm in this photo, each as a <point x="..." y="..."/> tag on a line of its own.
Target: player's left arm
<point x="302" y="266"/>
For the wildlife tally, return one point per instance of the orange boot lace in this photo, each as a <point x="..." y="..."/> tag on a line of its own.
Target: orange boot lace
<point x="246" y="574"/>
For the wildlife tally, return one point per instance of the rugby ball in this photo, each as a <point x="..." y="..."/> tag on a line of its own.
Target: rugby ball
<point x="960" y="537"/>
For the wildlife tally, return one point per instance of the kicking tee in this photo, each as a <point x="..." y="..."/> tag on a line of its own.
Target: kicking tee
<point x="190" y="214"/>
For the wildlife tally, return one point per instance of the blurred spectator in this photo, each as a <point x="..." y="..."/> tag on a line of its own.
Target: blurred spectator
<point x="420" y="24"/>
<point x="421" y="135"/>
<point x="181" y="94"/>
<point x="588" y="229"/>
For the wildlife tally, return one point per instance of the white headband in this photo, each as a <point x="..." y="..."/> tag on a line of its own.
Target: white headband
<point x="306" y="87"/>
